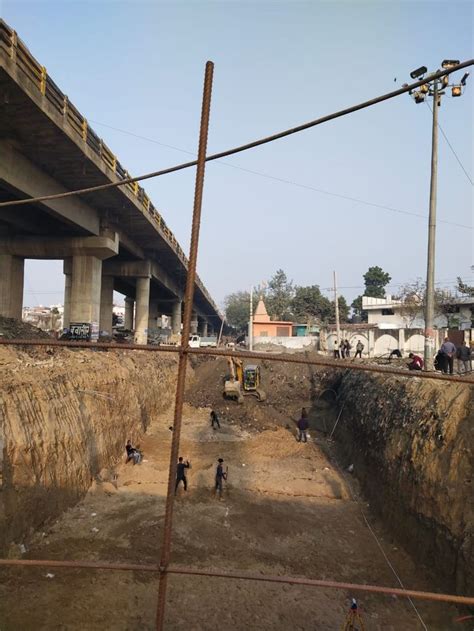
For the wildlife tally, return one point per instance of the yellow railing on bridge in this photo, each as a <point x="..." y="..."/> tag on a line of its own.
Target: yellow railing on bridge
<point x="27" y="64"/>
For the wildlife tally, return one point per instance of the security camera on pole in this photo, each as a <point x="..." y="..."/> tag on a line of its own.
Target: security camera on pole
<point x="435" y="88"/>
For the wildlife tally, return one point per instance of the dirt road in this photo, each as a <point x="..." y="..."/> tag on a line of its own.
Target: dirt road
<point x="286" y="510"/>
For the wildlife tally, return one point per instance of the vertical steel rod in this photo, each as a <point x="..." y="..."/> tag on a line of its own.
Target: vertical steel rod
<point x="183" y="355"/>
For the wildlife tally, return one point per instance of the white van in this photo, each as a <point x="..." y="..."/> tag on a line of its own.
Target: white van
<point x="194" y="341"/>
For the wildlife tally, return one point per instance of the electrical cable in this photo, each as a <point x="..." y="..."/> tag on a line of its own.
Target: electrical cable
<point x="371" y="530"/>
<point x="245" y="147"/>
<point x="287" y="181"/>
<point x="452" y="148"/>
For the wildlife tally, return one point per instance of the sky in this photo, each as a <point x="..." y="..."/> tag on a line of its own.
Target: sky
<point x="138" y="67"/>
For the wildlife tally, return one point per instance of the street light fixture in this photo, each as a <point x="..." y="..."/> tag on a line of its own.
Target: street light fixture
<point x="435" y="88"/>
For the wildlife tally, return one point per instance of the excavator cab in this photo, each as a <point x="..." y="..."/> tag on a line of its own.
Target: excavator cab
<point x="243" y="381"/>
<point x="251" y="378"/>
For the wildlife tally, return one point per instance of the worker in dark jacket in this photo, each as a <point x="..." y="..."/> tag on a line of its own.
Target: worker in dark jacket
<point x="181" y="474"/>
<point x="215" y="420"/>
<point x="220" y="475"/>
<point x="464" y="358"/>
<point x="302" y="425"/>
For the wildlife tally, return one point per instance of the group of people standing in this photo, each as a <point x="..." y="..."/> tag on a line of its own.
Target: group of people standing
<point x="220" y="476"/>
<point x="343" y="349"/>
<point x="444" y="359"/>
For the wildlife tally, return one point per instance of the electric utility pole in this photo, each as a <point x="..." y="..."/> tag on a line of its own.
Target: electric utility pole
<point x="435" y="88"/>
<point x="251" y="320"/>
<point x="336" y="306"/>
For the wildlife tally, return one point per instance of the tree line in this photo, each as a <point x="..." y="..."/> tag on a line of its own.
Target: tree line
<point x="306" y="304"/>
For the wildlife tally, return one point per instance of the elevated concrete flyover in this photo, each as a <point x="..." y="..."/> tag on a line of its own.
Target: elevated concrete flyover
<point x="107" y="239"/>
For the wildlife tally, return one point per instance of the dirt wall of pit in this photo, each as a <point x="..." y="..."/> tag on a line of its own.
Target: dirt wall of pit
<point x="411" y="442"/>
<point x="64" y="416"/>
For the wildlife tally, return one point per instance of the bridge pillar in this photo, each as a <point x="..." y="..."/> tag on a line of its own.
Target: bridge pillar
<point x="203" y="328"/>
<point x="106" y="304"/>
<point x="85" y="289"/>
<point x="153" y="316"/>
<point x="176" y="317"/>
<point x="142" y="310"/>
<point x="128" y="319"/>
<point x="194" y="323"/>
<point x="12" y="270"/>
<point x="67" y="300"/>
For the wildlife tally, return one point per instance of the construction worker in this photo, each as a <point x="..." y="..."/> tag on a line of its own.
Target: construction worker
<point x="181" y="474"/>
<point x="133" y="453"/>
<point x="215" y="420"/>
<point x="359" y="349"/>
<point x="220" y="475"/>
<point x="416" y="362"/>
<point x="302" y="425"/>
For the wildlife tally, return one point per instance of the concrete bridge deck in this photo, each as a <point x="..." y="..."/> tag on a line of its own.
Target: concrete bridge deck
<point x="110" y="240"/>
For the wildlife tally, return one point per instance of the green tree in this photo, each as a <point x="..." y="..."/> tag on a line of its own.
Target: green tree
<point x="237" y="307"/>
<point x="375" y="280"/>
<point x="464" y="289"/>
<point x="308" y="304"/>
<point x="279" y="295"/>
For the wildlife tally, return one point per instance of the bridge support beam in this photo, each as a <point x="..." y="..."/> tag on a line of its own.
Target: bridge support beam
<point x="11" y="285"/>
<point x="176" y="317"/>
<point x="194" y="323"/>
<point x="106" y="304"/>
<point x="153" y="314"/>
<point x="141" y="316"/>
<point x="203" y="328"/>
<point x="85" y="289"/>
<point x="128" y="319"/>
<point x="67" y="300"/>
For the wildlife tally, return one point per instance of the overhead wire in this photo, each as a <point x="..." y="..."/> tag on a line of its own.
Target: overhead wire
<point x="244" y="147"/>
<point x="452" y="148"/>
<point x="286" y="180"/>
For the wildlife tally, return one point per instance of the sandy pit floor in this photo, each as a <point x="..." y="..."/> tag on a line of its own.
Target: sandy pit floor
<point x="286" y="509"/>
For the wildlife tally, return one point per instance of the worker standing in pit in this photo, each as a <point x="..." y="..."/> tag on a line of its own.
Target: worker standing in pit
<point x="181" y="474"/>
<point x="220" y="475"/>
<point x="303" y="426"/>
<point x="215" y="420"/>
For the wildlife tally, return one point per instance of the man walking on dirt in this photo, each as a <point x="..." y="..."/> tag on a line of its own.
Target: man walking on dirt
<point x="220" y="475"/>
<point x="302" y="425"/>
<point x="181" y="474"/>
<point x="215" y="419"/>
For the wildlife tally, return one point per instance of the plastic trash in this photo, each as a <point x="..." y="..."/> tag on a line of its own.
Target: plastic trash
<point x="22" y="548"/>
<point x="49" y="575"/>
<point x="95" y="529"/>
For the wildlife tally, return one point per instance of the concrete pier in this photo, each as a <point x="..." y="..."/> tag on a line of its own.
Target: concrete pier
<point x="12" y="269"/>
<point x="141" y="316"/>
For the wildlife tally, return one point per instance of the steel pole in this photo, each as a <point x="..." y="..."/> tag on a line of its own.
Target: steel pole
<point x="183" y="355"/>
<point x="430" y="267"/>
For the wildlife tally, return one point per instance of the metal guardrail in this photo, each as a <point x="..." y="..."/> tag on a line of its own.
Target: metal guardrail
<point x="37" y="74"/>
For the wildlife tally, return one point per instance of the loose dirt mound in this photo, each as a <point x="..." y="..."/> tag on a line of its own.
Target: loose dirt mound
<point x="11" y="329"/>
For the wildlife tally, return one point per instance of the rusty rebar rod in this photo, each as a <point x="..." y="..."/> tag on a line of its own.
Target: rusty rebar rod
<point x="239" y="575"/>
<point x="183" y="353"/>
<point x="216" y="352"/>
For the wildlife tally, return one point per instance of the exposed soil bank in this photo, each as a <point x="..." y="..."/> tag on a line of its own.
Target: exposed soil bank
<point x="64" y="416"/>
<point x="411" y="443"/>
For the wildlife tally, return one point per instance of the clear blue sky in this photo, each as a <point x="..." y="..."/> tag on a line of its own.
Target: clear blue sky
<point x="138" y="66"/>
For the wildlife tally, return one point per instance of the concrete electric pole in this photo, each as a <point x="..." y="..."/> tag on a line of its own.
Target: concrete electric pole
<point x="435" y="88"/>
<point x="336" y="307"/>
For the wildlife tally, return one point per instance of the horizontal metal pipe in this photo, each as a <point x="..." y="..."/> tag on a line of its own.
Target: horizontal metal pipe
<point x="216" y="352"/>
<point x="246" y="576"/>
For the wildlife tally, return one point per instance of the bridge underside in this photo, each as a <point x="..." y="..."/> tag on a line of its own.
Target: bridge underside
<point x="107" y="240"/>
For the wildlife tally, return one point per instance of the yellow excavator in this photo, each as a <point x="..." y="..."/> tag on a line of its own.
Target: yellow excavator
<point x="243" y="380"/>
